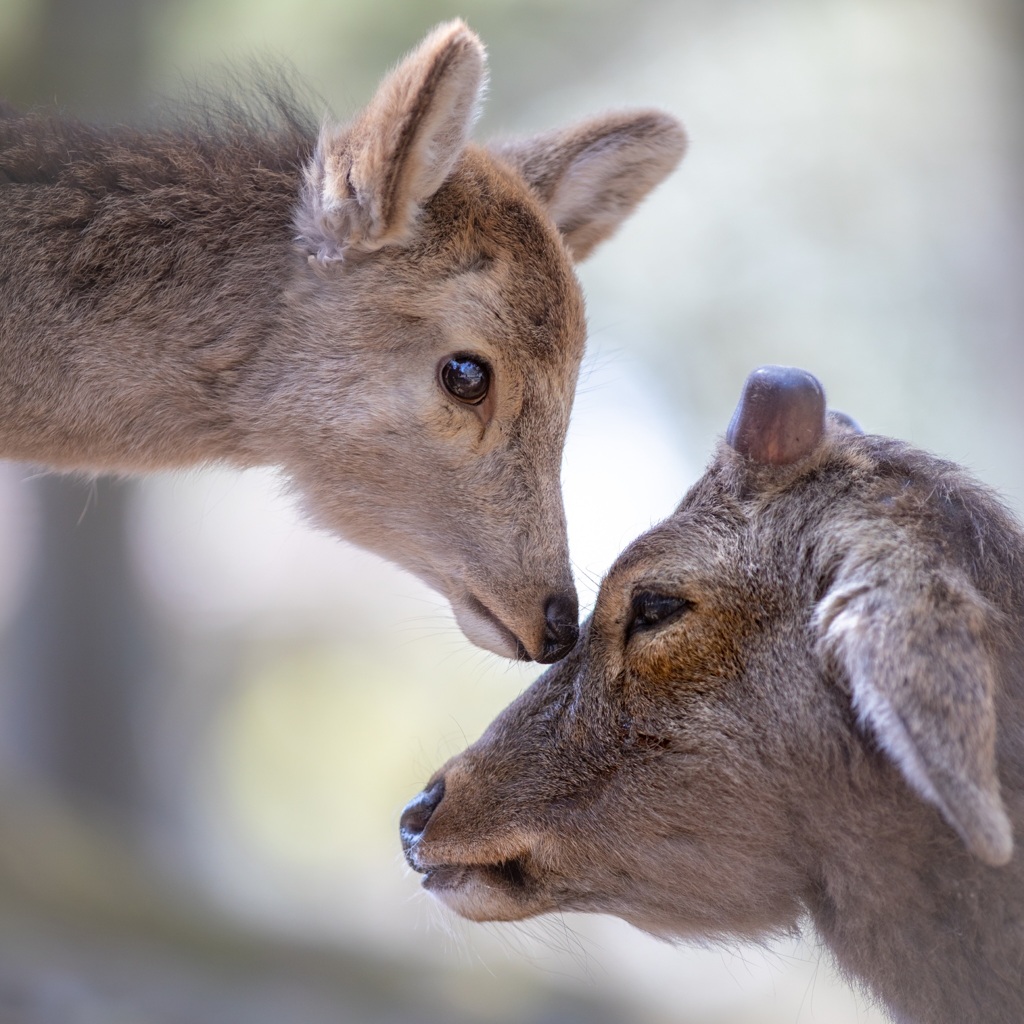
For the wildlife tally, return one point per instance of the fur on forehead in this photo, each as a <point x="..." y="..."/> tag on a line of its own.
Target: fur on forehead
<point x="840" y="449"/>
<point x="507" y="242"/>
<point x="876" y="481"/>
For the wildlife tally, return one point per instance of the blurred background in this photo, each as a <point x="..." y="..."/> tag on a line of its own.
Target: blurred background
<point x="211" y="716"/>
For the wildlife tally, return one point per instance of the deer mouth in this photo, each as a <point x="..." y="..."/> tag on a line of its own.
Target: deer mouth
<point x="484" y="628"/>
<point x="509" y="875"/>
<point x="502" y="891"/>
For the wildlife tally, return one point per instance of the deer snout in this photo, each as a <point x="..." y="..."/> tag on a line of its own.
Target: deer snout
<point x="471" y="856"/>
<point x="561" y="627"/>
<point x="520" y="626"/>
<point x="415" y="818"/>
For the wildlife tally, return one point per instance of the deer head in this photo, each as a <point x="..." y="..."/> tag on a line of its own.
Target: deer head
<point x="803" y="666"/>
<point x="450" y="269"/>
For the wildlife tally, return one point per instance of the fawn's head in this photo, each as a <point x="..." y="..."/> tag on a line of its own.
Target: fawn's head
<point x="806" y="655"/>
<point x="447" y="268"/>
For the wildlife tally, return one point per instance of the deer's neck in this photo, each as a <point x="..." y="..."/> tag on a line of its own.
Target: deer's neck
<point x="939" y="940"/>
<point x="140" y="278"/>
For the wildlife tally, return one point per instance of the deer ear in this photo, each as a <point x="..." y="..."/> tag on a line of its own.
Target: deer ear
<point x="367" y="181"/>
<point x="923" y="683"/>
<point x="593" y="175"/>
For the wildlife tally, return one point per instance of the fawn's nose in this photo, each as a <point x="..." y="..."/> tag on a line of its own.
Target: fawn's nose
<point x="416" y="816"/>
<point x="561" y="629"/>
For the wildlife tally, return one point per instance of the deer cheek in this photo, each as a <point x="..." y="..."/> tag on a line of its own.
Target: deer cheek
<point x="686" y="661"/>
<point x="655" y="660"/>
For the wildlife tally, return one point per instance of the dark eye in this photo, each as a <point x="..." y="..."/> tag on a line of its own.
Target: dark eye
<point x="466" y="378"/>
<point x="651" y="610"/>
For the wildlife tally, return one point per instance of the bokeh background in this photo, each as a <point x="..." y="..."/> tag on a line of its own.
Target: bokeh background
<point x="211" y="716"/>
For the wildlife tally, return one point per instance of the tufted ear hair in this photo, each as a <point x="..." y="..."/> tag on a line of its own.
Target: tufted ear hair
<point x="367" y="181"/>
<point x="912" y="645"/>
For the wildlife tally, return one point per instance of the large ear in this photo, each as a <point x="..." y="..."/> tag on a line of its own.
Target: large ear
<point x="913" y="646"/>
<point x="593" y="175"/>
<point x="367" y="181"/>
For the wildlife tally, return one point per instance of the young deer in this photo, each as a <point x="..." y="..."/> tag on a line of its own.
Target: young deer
<point x="800" y="695"/>
<point x="385" y="310"/>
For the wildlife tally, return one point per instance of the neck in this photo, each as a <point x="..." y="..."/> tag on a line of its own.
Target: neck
<point x="937" y="936"/>
<point x="139" y="283"/>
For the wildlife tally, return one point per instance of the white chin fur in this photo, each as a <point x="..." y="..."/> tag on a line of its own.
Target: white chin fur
<point x="483" y="632"/>
<point x="476" y="900"/>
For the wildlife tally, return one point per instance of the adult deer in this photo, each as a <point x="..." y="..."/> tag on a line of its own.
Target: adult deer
<point x="383" y="309"/>
<point x="801" y="696"/>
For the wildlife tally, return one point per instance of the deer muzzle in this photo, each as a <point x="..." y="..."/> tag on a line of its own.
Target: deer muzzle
<point x="546" y="638"/>
<point x="481" y="875"/>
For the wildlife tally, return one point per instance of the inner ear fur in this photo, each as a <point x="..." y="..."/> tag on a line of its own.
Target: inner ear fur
<point x="913" y="645"/>
<point x="368" y="180"/>
<point x="592" y="175"/>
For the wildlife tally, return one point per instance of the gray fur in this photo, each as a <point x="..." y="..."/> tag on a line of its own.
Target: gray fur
<point x="819" y="716"/>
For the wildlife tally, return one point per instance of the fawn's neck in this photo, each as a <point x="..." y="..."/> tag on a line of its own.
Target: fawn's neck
<point x="140" y="278"/>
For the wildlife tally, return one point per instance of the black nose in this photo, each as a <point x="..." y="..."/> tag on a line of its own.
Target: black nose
<point x="416" y="815"/>
<point x="562" y="630"/>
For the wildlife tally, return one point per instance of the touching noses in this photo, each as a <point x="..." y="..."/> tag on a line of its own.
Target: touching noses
<point x="561" y="627"/>
<point x="415" y="818"/>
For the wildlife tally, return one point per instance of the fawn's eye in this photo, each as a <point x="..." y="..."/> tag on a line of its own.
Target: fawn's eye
<point x="465" y="378"/>
<point x="651" y="610"/>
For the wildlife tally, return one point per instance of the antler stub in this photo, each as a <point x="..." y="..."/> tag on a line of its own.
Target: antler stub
<point x="780" y="417"/>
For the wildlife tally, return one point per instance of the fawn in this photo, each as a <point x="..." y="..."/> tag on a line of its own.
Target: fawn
<point x="383" y="309"/>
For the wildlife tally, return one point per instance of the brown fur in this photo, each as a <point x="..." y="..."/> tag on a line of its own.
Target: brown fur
<point x="802" y="695"/>
<point x="252" y="291"/>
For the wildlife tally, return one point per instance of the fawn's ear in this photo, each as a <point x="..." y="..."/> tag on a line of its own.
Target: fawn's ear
<point x="593" y="175"/>
<point x="912" y="647"/>
<point x="367" y="181"/>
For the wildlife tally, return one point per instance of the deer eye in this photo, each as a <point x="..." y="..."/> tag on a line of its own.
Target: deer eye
<point x="651" y="610"/>
<point x="466" y="378"/>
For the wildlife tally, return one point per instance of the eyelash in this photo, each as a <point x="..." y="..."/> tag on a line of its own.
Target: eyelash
<point x="651" y="611"/>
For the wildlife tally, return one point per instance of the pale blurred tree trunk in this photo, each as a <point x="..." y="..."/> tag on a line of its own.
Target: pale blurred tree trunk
<point x="83" y="651"/>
